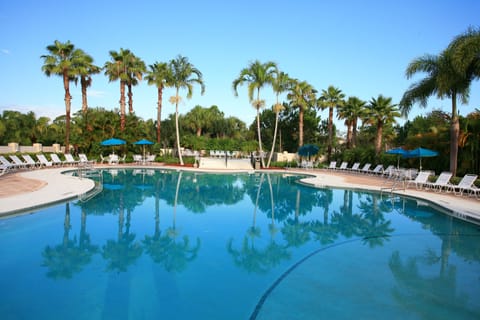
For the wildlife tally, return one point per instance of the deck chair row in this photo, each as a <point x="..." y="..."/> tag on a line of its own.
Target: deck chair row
<point x="466" y="186"/>
<point x="377" y="170"/>
<point x="27" y="162"/>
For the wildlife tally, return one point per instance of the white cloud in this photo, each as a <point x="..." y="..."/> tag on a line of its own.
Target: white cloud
<point x="5" y="51"/>
<point x="40" y="111"/>
<point x="96" y="93"/>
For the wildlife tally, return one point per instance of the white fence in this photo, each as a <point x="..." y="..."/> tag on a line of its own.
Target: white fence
<point x="14" y="147"/>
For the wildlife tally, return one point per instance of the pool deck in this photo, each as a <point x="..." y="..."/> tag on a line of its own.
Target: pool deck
<point x="25" y="191"/>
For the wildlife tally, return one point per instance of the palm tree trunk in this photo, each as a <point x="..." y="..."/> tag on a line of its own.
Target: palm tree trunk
<point x="300" y="126"/>
<point x="68" y="99"/>
<point x="259" y="137"/>
<point x="130" y="98"/>
<point x="349" y="133"/>
<point x="258" y="129"/>
<point x="354" y="133"/>
<point x="122" y="106"/>
<point x="177" y="130"/>
<point x="83" y="83"/>
<point x="274" y="138"/>
<point x="330" y="133"/>
<point x="454" y="133"/>
<point x="159" y="113"/>
<point x="378" y="139"/>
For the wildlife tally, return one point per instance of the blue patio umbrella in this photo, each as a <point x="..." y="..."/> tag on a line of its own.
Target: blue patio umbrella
<point x="112" y="142"/>
<point x="308" y="150"/>
<point x="399" y="152"/>
<point x="420" y="153"/>
<point x="143" y="143"/>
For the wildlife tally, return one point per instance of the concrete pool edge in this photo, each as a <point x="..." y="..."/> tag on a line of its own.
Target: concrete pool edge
<point x="60" y="186"/>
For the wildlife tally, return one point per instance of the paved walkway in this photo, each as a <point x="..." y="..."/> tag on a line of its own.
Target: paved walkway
<point x="30" y="189"/>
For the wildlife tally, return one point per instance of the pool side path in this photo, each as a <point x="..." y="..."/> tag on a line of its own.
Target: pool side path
<point x="463" y="207"/>
<point x="59" y="187"/>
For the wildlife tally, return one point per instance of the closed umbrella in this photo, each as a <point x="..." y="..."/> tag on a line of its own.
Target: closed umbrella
<point x="143" y="143"/>
<point x="420" y="153"/>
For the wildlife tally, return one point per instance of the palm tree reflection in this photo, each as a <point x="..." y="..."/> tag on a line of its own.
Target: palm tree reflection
<point x="69" y="257"/>
<point x="123" y="251"/>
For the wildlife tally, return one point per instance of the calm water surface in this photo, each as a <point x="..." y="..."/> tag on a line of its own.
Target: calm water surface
<point x="181" y="245"/>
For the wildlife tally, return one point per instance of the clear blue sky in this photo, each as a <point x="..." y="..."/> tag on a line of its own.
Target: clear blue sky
<point x="361" y="47"/>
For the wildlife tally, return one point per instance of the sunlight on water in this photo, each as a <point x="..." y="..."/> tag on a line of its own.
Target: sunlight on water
<point x="181" y="245"/>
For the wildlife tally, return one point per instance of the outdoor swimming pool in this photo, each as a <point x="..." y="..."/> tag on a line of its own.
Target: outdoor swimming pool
<point x="184" y="245"/>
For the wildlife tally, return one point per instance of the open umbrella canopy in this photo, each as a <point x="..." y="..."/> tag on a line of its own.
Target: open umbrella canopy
<point x="397" y="151"/>
<point x="143" y="142"/>
<point x="420" y="153"/>
<point x="112" y="142"/>
<point x="308" y="150"/>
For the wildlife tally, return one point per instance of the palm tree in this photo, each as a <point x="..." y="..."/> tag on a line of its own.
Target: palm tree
<point x="280" y="84"/>
<point x="135" y="69"/>
<point x="61" y="61"/>
<point x="197" y="119"/>
<point x="466" y="53"/>
<point x="443" y="81"/>
<point x="85" y="69"/>
<point x="257" y="75"/>
<point x="184" y="75"/>
<point x="159" y="75"/>
<point x="302" y="96"/>
<point x="351" y="111"/>
<point x="116" y="69"/>
<point x="331" y="98"/>
<point x="379" y="112"/>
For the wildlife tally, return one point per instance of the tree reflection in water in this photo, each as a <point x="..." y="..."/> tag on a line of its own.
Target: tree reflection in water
<point x="69" y="257"/>
<point x="261" y="223"/>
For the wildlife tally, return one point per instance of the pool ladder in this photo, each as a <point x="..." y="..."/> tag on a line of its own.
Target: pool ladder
<point x="97" y="177"/>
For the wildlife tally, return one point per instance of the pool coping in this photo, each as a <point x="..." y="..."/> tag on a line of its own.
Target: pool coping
<point x="60" y="187"/>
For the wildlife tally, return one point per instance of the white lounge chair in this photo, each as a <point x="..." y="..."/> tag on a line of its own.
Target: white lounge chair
<point x="84" y="159"/>
<point x="70" y="160"/>
<point x="420" y="180"/>
<point x="366" y="168"/>
<point x="389" y="171"/>
<point x="30" y="162"/>
<point x="14" y="165"/>
<point x="44" y="161"/>
<point x="137" y="158"/>
<point x="103" y="159"/>
<point x="355" y="167"/>
<point x="343" y="166"/>
<point x="465" y="185"/>
<point x="150" y="158"/>
<point x="378" y="170"/>
<point x="3" y="169"/>
<point x="442" y="182"/>
<point x="56" y="160"/>
<point x="113" y="159"/>
<point x="333" y="165"/>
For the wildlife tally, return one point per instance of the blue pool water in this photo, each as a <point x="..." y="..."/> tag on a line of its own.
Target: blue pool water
<point x="181" y="245"/>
